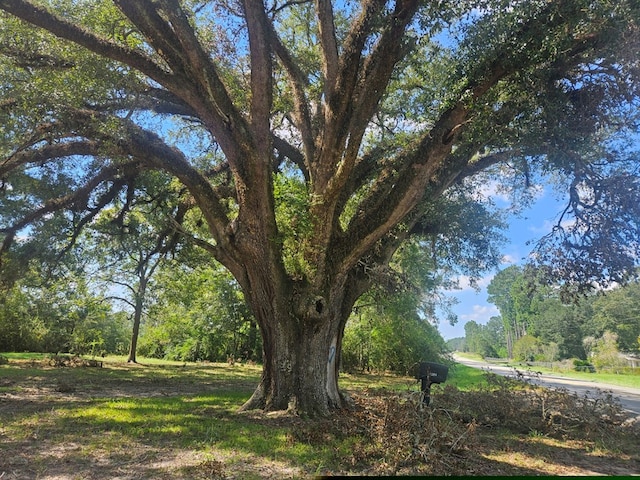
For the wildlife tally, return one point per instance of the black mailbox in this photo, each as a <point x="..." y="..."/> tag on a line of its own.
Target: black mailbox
<point x="429" y="373"/>
<point x="433" y="372"/>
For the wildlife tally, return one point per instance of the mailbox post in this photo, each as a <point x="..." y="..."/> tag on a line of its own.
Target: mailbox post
<point x="429" y="373"/>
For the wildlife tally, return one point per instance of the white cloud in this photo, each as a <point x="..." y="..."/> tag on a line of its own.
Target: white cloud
<point x="547" y="226"/>
<point x="464" y="284"/>
<point x="491" y="190"/>
<point x="480" y="314"/>
<point x="509" y="259"/>
<point x="495" y="191"/>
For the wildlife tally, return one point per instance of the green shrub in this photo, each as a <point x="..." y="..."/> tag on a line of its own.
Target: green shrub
<point x="527" y="348"/>
<point x="583" y="366"/>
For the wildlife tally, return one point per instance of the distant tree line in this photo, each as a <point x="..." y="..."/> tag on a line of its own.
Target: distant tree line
<point x="193" y="310"/>
<point x="189" y="314"/>
<point x="537" y="323"/>
<point x="60" y="315"/>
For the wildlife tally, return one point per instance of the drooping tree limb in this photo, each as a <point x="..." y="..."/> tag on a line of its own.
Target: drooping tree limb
<point x="48" y="152"/>
<point x="151" y="99"/>
<point x="41" y="17"/>
<point x="122" y="139"/>
<point x="78" y="197"/>
<point x="28" y="60"/>
<point x="485" y="162"/>
<point x="200" y="86"/>
<point x="150" y="149"/>
<point x="213" y="249"/>
<point x="292" y="153"/>
<point x="104" y="200"/>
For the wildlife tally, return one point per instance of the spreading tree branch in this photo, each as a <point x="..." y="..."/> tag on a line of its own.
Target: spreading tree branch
<point x="76" y="199"/>
<point x="41" y="17"/>
<point x="298" y="82"/>
<point x="328" y="41"/>
<point x="48" y="152"/>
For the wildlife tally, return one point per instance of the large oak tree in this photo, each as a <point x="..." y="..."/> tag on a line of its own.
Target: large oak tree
<point x="317" y="137"/>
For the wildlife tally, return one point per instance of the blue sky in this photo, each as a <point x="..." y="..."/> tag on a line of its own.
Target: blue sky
<point x="532" y="224"/>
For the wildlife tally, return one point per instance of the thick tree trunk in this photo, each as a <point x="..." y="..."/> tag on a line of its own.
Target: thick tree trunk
<point x="301" y="350"/>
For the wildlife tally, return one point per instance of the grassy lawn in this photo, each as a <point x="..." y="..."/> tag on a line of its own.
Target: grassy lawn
<point x="171" y="420"/>
<point x="622" y="380"/>
<point x="559" y="369"/>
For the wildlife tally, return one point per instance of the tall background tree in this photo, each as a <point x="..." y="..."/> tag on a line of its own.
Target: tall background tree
<point x="487" y="340"/>
<point x="555" y="329"/>
<point x="310" y="140"/>
<point x="129" y="241"/>
<point x="199" y="313"/>
<point x="499" y="293"/>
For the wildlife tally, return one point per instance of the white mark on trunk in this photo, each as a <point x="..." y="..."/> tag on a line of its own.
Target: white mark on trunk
<point x="332" y="352"/>
<point x="332" y="384"/>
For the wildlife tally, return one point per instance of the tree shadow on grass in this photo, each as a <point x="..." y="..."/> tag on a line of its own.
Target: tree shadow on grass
<point x="169" y="437"/>
<point x="558" y="457"/>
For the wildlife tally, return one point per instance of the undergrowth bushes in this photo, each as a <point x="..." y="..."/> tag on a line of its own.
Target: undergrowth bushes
<point x="398" y="435"/>
<point x="526" y="408"/>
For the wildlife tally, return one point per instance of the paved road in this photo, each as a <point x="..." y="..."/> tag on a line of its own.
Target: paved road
<point x="629" y="398"/>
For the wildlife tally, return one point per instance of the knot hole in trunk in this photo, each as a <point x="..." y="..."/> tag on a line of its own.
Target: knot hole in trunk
<point x="319" y="306"/>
